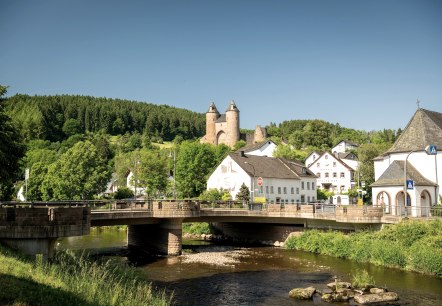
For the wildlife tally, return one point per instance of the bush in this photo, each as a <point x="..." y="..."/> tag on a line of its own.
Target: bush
<point x="361" y="279"/>
<point x="197" y="228"/>
<point x="123" y="193"/>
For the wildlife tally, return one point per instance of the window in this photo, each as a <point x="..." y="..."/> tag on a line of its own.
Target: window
<point x="267" y="189"/>
<point x="272" y="191"/>
<point x="279" y="190"/>
<point x="334" y="164"/>
<point x="292" y="190"/>
<point x="285" y="190"/>
<point x="326" y="156"/>
<point x="297" y="190"/>
<point x="342" y="189"/>
<point x="308" y="199"/>
<point x="335" y="174"/>
<point x="261" y="190"/>
<point x="313" y="199"/>
<point x="308" y="185"/>
<point x="302" y="185"/>
<point x="313" y="185"/>
<point x="304" y="170"/>
<point x="317" y="164"/>
<point x="326" y="174"/>
<point x="293" y="201"/>
<point x="302" y="198"/>
<point x="342" y="174"/>
<point x="318" y="175"/>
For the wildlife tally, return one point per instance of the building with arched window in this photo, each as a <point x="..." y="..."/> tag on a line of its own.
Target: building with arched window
<point x="423" y="170"/>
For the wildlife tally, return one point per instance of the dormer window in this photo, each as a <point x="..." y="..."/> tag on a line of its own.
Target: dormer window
<point x="304" y="170"/>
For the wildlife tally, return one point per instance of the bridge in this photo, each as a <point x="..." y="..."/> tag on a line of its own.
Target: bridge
<point x="156" y="226"/>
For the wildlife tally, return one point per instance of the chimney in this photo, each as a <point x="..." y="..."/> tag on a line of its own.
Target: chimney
<point x="242" y="154"/>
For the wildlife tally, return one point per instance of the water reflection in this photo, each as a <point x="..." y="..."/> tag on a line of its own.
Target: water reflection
<point x="261" y="276"/>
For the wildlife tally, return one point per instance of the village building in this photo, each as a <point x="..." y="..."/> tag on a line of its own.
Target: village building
<point x="335" y="172"/>
<point x="225" y="128"/>
<point x="344" y="146"/>
<point x="312" y="157"/>
<point x="413" y="163"/>
<point x="264" y="148"/>
<point x="271" y="180"/>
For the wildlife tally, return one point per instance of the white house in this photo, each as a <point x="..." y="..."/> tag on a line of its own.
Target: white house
<point x="333" y="173"/>
<point x="311" y="158"/>
<point x="264" y="148"/>
<point x="130" y="183"/>
<point x="425" y="170"/>
<point x="283" y="181"/>
<point x="344" y="146"/>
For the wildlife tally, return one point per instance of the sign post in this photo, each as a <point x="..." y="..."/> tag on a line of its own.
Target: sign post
<point x="26" y="183"/>
<point x="260" y="181"/>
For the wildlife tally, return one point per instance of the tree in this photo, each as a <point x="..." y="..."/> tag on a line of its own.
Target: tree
<point x="123" y="193"/>
<point x="37" y="175"/>
<point x="243" y="193"/>
<point x="78" y="174"/>
<point x="194" y="163"/>
<point x="11" y="151"/>
<point x="71" y="127"/>
<point x="152" y="171"/>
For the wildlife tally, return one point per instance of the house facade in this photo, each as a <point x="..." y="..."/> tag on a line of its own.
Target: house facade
<point x="283" y="181"/>
<point x="344" y="146"/>
<point x="333" y="173"/>
<point x="409" y="155"/>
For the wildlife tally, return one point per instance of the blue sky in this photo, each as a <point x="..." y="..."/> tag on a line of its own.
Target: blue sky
<point x="361" y="64"/>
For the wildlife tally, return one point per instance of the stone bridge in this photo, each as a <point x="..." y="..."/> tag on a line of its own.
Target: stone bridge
<point x="156" y="226"/>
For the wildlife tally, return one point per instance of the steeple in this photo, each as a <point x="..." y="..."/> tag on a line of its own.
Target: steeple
<point x="212" y="108"/>
<point x="232" y="107"/>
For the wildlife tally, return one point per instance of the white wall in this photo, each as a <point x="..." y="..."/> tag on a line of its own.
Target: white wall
<point x="311" y="158"/>
<point x="266" y="149"/>
<point x="424" y="163"/>
<point x="230" y="176"/>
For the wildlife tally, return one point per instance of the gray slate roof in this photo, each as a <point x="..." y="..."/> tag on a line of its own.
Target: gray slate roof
<point x="221" y="118"/>
<point x="253" y="147"/>
<point x="394" y="176"/>
<point x="424" y="128"/>
<point x="272" y="167"/>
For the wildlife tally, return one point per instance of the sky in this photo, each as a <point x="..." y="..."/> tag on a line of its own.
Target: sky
<point x="362" y="64"/>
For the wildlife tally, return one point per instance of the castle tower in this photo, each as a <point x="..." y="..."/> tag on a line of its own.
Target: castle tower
<point x="211" y="116"/>
<point x="232" y="120"/>
<point x="260" y="134"/>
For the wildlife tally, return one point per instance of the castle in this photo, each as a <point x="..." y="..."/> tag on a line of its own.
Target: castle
<point x="224" y="129"/>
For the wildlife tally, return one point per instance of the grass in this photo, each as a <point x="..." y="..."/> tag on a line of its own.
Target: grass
<point x="409" y="245"/>
<point x="71" y="279"/>
<point x="361" y="279"/>
<point x="197" y="228"/>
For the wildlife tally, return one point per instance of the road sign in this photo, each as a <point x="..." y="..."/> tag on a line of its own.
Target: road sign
<point x="27" y="174"/>
<point x="431" y="150"/>
<point x="410" y="184"/>
<point x="260" y="181"/>
<point x="363" y="183"/>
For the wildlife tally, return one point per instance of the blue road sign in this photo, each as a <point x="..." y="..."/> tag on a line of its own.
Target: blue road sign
<point x="431" y="150"/>
<point x="410" y="184"/>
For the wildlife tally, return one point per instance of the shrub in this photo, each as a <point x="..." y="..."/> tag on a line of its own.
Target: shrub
<point x="123" y="193"/>
<point x="361" y="279"/>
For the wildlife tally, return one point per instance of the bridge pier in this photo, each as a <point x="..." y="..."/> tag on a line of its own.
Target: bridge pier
<point x="164" y="238"/>
<point x="31" y="247"/>
<point x="35" y="230"/>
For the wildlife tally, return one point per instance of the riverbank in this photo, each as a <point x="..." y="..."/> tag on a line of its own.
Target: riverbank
<point x="72" y="280"/>
<point x="409" y="245"/>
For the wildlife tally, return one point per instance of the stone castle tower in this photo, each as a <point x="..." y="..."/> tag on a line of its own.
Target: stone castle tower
<point x="224" y="129"/>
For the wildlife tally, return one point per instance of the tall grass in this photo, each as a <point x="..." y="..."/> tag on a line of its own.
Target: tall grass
<point x="411" y="245"/>
<point x="72" y="280"/>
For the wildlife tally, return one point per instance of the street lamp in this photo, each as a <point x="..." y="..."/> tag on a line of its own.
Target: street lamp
<point x="253" y="182"/>
<point x="174" y="170"/>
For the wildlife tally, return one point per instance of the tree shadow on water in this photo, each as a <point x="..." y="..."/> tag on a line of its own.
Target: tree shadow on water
<point x="21" y="291"/>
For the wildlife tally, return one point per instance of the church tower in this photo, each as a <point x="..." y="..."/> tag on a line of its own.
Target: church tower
<point x="211" y="116"/>
<point x="232" y="119"/>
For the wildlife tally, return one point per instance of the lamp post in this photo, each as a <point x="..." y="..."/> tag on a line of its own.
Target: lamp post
<point x="405" y="182"/>
<point x="253" y="182"/>
<point x="174" y="170"/>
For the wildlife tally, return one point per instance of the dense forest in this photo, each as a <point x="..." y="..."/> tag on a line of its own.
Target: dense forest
<point x="75" y="145"/>
<point x="43" y="117"/>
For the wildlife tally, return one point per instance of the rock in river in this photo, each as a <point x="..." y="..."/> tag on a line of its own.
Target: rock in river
<point x="302" y="293"/>
<point x="376" y="298"/>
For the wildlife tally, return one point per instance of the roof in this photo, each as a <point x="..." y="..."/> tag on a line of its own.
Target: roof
<point x="254" y="146"/>
<point x="212" y="108"/>
<point x="424" y="128"/>
<point x="232" y="107"/>
<point x="221" y="118"/>
<point x="394" y="176"/>
<point x="348" y="142"/>
<point x="271" y="167"/>
<point x="346" y="155"/>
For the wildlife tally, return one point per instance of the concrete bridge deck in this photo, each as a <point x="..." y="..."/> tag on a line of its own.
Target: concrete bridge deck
<point x="156" y="226"/>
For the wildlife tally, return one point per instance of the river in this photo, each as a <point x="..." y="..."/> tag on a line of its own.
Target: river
<point x="208" y="274"/>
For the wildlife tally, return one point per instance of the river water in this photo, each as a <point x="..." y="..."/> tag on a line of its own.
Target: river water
<point x="208" y="274"/>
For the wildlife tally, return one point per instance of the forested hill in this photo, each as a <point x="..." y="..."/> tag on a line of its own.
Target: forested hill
<point x="43" y="117"/>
